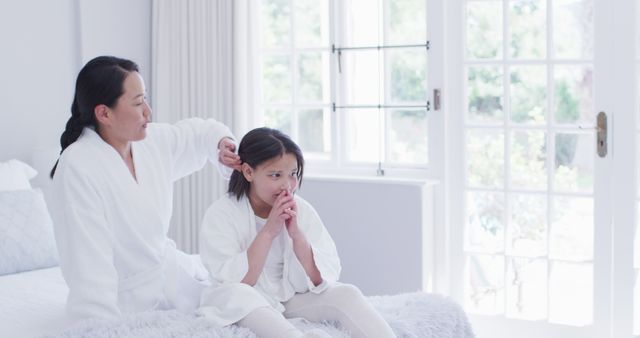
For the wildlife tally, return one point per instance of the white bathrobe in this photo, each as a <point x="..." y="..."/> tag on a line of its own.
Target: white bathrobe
<point x="111" y="229"/>
<point x="227" y="231"/>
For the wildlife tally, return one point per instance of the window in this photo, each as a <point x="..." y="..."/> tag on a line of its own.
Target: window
<point x="348" y="80"/>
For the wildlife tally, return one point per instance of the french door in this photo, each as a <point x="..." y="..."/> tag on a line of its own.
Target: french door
<point x="544" y="122"/>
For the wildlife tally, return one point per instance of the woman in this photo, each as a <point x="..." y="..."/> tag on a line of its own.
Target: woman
<point x="114" y="184"/>
<point x="269" y="254"/>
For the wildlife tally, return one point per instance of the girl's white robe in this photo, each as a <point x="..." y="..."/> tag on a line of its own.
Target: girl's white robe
<point x="111" y="229"/>
<point x="228" y="229"/>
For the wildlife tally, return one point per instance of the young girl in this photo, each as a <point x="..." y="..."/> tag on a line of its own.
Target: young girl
<point x="270" y="256"/>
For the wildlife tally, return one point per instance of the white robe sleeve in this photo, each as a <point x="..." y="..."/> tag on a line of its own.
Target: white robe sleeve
<point x="325" y="254"/>
<point x="221" y="247"/>
<point x="191" y="142"/>
<point x="85" y="244"/>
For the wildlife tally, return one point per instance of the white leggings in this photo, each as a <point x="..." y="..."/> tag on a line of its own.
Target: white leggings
<point x="341" y="302"/>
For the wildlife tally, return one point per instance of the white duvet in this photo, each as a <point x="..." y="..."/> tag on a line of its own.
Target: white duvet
<point x="33" y="303"/>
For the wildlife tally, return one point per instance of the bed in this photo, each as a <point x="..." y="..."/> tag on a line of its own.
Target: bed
<point x="33" y="303"/>
<point x="33" y="306"/>
<point x="33" y="292"/>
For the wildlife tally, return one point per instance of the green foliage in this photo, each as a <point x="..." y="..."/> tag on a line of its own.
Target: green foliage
<point x="484" y="29"/>
<point x="485" y="93"/>
<point x="408" y="136"/>
<point x="276" y="24"/>
<point x="407" y="22"/>
<point x="566" y="105"/>
<point x="408" y="76"/>
<point x="310" y="77"/>
<point x="528" y="94"/>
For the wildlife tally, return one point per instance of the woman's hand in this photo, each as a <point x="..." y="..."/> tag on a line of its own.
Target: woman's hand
<point x="279" y="214"/>
<point x="227" y="155"/>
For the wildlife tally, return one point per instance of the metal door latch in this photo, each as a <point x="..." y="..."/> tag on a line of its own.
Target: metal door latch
<point x="602" y="134"/>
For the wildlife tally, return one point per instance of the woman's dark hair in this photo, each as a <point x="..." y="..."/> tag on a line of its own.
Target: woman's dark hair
<point x="100" y="81"/>
<point x="258" y="146"/>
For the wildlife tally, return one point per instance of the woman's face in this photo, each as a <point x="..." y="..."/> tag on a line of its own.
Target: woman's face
<point x="270" y="178"/>
<point x="131" y="112"/>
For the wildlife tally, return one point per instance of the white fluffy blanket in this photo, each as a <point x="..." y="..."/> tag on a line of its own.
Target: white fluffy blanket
<point x="409" y="315"/>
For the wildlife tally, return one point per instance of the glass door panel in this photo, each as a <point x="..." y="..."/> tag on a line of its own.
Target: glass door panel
<point x="535" y="189"/>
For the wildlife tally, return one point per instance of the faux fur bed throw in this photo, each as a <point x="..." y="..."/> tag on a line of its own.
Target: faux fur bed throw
<point x="409" y="315"/>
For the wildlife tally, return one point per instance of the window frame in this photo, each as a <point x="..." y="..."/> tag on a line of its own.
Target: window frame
<point x="338" y="163"/>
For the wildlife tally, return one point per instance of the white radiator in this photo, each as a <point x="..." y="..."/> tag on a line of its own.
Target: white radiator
<point x="383" y="229"/>
<point x="192" y="196"/>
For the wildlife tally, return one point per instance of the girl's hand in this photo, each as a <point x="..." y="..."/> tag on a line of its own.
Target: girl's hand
<point x="292" y="222"/>
<point x="279" y="214"/>
<point x="227" y="155"/>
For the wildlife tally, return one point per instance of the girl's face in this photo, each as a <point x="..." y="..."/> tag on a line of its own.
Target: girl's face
<point x="131" y="112"/>
<point x="270" y="178"/>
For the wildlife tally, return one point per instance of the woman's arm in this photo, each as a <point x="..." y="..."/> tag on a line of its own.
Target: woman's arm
<point x="189" y="143"/>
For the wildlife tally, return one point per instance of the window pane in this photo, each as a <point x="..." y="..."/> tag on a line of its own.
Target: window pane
<point x="485" y="92"/>
<point x="528" y="94"/>
<point x="573" y="170"/>
<point x="527" y="231"/>
<point x="362" y="19"/>
<point x="485" y="158"/>
<point x="311" y="23"/>
<point x="313" y="77"/>
<point x="484" y="29"/>
<point x="276" y="23"/>
<point x="276" y="78"/>
<point x="527" y="29"/>
<point x="485" y="222"/>
<point x="528" y="160"/>
<point x="364" y="130"/>
<point x="571" y="228"/>
<point x="574" y="94"/>
<point x="361" y="71"/>
<point x="573" y="29"/>
<point x="527" y="288"/>
<point x="278" y="119"/>
<point x="407" y="136"/>
<point x="313" y="131"/>
<point x="407" y="22"/>
<point x="408" y="75"/>
<point x="484" y="284"/>
<point x="571" y="293"/>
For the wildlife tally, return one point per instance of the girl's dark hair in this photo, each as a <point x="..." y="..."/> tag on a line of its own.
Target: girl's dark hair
<point x="258" y="146"/>
<point x="100" y="81"/>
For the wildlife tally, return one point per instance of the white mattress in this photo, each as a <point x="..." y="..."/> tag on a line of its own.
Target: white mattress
<point x="33" y="303"/>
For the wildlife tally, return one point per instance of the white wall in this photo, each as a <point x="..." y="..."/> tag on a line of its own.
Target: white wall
<point x="117" y="27"/>
<point x="44" y="44"/>
<point x="38" y="62"/>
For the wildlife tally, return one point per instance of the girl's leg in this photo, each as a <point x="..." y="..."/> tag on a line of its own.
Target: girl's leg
<point x="266" y="322"/>
<point x="344" y="303"/>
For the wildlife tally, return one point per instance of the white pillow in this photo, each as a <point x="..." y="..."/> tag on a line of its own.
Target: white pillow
<point x="26" y="232"/>
<point x="15" y="175"/>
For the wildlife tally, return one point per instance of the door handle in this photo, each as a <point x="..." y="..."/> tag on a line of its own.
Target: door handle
<point x="602" y="134"/>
